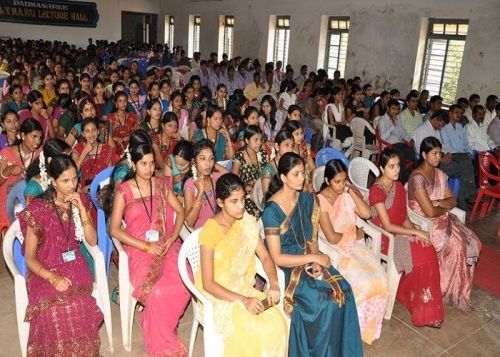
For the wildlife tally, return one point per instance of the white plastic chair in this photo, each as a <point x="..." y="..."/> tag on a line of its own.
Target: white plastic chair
<point x="327" y="136"/>
<point x="358" y="126"/>
<point x="318" y="178"/>
<point x="258" y="194"/>
<point x="100" y="287"/>
<point x="359" y="171"/>
<point x="373" y="242"/>
<point x="127" y="302"/>
<point x="204" y="315"/>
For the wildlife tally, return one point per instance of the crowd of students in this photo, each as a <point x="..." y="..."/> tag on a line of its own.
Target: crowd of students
<point x="193" y="150"/>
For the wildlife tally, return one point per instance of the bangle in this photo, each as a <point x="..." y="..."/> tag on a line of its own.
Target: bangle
<point x="2" y="175"/>
<point x="147" y="247"/>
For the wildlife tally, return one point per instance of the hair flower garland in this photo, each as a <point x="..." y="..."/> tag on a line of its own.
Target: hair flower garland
<point x="79" y="233"/>
<point x="44" y="177"/>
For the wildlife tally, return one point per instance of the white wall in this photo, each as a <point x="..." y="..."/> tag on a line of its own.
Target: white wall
<point x="383" y="39"/>
<point x="108" y="26"/>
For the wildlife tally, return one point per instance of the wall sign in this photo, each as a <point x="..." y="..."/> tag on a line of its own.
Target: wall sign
<point x="51" y="12"/>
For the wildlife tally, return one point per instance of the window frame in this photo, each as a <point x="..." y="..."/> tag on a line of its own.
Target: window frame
<point x="336" y="31"/>
<point x="171" y="31"/>
<point x="444" y="36"/>
<point x="196" y="33"/>
<point x="228" y="37"/>
<point x="286" y="27"/>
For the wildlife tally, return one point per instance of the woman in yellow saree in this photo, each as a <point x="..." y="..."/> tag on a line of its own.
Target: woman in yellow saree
<point x="229" y="242"/>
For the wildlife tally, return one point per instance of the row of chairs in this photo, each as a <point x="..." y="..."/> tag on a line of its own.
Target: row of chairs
<point x="358" y="170"/>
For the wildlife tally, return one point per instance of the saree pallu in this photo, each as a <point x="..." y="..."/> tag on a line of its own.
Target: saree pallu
<point x="61" y="323"/>
<point x="120" y="133"/>
<point x="458" y="247"/>
<point x="93" y="164"/>
<point x="241" y="333"/>
<point x="156" y="280"/>
<point x="419" y="287"/>
<point x="320" y="326"/>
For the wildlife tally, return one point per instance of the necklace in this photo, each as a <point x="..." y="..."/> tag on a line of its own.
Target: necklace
<point x="66" y="217"/>
<point x="252" y="161"/>
<point x="22" y="157"/>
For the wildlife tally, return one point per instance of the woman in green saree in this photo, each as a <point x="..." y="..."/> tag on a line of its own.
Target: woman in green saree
<point x="318" y="300"/>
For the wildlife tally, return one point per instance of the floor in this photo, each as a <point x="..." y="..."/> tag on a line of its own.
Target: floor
<point x="475" y="333"/>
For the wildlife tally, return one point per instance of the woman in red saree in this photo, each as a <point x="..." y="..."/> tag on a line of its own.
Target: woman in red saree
<point x="458" y="247"/>
<point x="151" y="241"/>
<point x="64" y="318"/>
<point x="122" y="123"/>
<point x="414" y="256"/>
<point x="15" y="159"/>
<point x="91" y="156"/>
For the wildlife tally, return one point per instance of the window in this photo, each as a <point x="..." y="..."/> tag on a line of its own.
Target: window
<point x="169" y="30"/>
<point x="281" y="39"/>
<point x="228" y="36"/>
<point x="196" y="33"/>
<point x="336" y="45"/>
<point x="444" y="50"/>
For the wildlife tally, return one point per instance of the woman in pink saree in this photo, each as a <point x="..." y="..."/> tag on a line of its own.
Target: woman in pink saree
<point x="457" y="246"/>
<point x="150" y="238"/>
<point x="64" y="317"/>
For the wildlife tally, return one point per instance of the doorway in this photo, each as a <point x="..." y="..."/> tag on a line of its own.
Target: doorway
<point x="139" y="27"/>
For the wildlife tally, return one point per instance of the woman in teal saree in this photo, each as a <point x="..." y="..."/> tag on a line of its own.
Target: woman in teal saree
<point x="318" y="300"/>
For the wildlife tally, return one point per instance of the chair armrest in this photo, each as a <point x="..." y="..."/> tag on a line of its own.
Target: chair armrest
<point x="424" y="223"/>
<point x="375" y="236"/>
<point x="326" y="247"/>
<point x="459" y="213"/>
<point x="389" y="257"/>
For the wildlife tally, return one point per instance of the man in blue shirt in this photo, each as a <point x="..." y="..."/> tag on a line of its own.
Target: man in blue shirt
<point x="456" y="161"/>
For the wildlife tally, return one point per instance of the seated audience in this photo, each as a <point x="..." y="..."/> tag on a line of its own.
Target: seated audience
<point x="419" y="289"/>
<point x="458" y="163"/>
<point x="62" y="313"/>
<point x="494" y="127"/>
<point x="457" y="246"/>
<point x="229" y="243"/>
<point x="217" y="134"/>
<point x="319" y="301"/>
<point x="153" y="219"/>
<point x="476" y="131"/>
<point x="392" y="131"/>
<point x="410" y="117"/>
<point x="340" y="205"/>
<point x="10" y="127"/>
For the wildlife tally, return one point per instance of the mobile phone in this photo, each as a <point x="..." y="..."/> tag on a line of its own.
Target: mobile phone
<point x="266" y="304"/>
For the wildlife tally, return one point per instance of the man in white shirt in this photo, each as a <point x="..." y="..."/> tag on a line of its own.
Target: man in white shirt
<point x="494" y="127"/>
<point x="428" y="128"/>
<point x="474" y="100"/>
<point x="491" y="102"/>
<point x="476" y="131"/>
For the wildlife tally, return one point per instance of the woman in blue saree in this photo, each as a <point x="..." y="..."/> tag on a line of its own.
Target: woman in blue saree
<point x="318" y="300"/>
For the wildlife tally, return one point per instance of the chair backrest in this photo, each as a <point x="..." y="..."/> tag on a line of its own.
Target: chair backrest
<point x="103" y="239"/>
<point x="485" y="160"/>
<point x="228" y="164"/>
<point x="318" y="178"/>
<point x="12" y="250"/>
<point x="359" y="171"/>
<point x="190" y="251"/>
<point x="16" y="194"/>
<point x="308" y="135"/>
<point x="327" y="154"/>
<point x="258" y="194"/>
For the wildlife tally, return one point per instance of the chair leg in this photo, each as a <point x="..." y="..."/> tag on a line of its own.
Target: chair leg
<point x="492" y="204"/>
<point x="393" y="280"/>
<point x="130" y="324"/>
<point x="476" y="205"/>
<point x="194" y="332"/>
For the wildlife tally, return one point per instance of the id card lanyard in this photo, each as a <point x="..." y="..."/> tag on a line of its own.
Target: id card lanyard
<point x="69" y="255"/>
<point x="213" y="195"/>
<point x="151" y="235"/>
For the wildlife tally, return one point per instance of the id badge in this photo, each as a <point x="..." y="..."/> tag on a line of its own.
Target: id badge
<point x="152" y="236"/>
<point x="68" y="256"/>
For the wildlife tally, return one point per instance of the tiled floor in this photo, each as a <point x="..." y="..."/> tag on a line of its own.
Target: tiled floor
<point x="472" y="334"/>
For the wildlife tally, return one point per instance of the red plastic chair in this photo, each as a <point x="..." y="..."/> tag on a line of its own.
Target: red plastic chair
<point x="485" y="188"/>
<point x="381" y="145"/>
